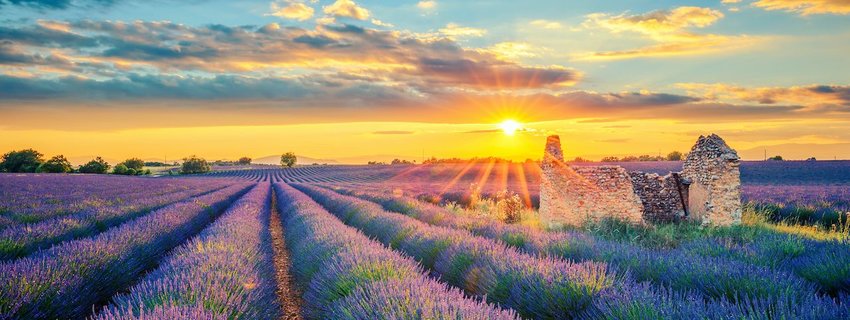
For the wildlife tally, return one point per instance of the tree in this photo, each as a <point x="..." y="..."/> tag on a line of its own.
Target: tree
<point x="98" y="165"/>
<point x="134" y="163"/>
<point x="194" y="164"/>
<point x="674" y="156"/>
<point x="26" y="160"/>
<point x="57" y="164"/>
<point x="288" y="159"/>
<point x="776" y="158"/>
<point x="610" y="159"/>
<point x="244" y="160"/>
<point x="399" y="161"/>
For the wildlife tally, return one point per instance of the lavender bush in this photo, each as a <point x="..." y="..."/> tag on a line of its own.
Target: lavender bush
<point x="719" y="278"/>
<point x="225" y="272"/>
<point x="22" y="239"/>
<point x="537" y="287"/>
<point x="66" y="280"/>
<point x="348" y="276"/>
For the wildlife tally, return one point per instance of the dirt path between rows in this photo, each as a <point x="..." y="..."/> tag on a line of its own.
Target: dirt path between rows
<point x="287" y="292"/>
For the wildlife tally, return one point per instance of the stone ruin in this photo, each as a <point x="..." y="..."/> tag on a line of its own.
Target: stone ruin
<point x="707" y="190"/>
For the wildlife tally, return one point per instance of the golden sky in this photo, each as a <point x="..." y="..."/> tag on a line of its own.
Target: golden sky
<point x="367" y="80"/>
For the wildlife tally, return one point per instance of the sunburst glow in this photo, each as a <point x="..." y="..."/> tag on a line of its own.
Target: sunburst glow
<point x="510" y="127"/>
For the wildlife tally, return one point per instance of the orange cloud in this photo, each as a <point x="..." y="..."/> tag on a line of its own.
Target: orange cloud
<point x="348" y="9"/>
<point x="662" y="25"/>
<point x="454" y="31"/>
<point x="812" y="95"/>
<point x="704" y="45"/>
<point x="670" y="30"/>
<point x="295" y="10"/>
<point x="806" y="7"/>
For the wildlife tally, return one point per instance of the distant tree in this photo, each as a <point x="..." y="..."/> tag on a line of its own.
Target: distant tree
<point x="580" y="159"/>
<point x="675" y="156"/>
<point x="776" y="158"/>
<point x="399" y="161"/>
<point x="57" y="164"/>
<point x="194" y="164"/>
<point x="134" y="163"/>
<point x="288" y="159"/>
<point x="156" y="164"/>
<point x="26" y="160"/>
<point x="629" y="159"/>
<point x="244" y="160"/>
<point x="812" y="159"/>
<point x="98" y="165"/>
<point x="610" y="159"/>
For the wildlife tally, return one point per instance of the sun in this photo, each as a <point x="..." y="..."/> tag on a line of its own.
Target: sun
<point x="509" y="126"/>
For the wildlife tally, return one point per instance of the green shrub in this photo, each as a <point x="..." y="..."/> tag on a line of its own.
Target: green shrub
<point x="98" y="165"/>
<point x="57" y="164"/>
<point x="194" y="164"/>
<point x="120" y="169"/>
<point x="134" y="163"/>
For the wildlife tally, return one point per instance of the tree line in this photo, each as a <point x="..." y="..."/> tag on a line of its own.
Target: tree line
<point x="32" y="161"/>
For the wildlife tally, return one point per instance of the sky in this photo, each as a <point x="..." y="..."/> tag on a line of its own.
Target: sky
<point x="374" y="80"/>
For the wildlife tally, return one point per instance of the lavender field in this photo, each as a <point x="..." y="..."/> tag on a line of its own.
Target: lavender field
<point x="354" y="242"/>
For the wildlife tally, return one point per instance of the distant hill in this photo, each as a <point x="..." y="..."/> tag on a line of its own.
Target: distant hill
<point x="275" y="159"/>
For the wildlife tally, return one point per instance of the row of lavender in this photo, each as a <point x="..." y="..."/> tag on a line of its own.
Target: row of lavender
<point x="66" y="280"/>
<point x="827" y="205"/>
<point x="348" y="276"/>
<point x="23" y="239"/>
<point x="32" y="198"/>
<point x="545" y="287"/>
<point x="225" y="272"/>
<point x="310" y="174"/>
<point x="775" y="282"/>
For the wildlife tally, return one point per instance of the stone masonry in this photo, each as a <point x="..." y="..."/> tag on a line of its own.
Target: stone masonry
<point x="571" y="196"/>
<point x="707" y="190"/>
<point x="714" y="196"/>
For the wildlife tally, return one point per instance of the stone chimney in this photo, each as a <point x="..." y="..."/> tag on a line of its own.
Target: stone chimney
<point x="714" y="195"/>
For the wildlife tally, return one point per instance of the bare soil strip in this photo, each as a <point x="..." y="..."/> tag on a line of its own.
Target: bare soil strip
<point x="288" y="293"/>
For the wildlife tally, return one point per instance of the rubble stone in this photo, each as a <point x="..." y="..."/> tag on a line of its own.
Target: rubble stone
<point x="707" y="190"/>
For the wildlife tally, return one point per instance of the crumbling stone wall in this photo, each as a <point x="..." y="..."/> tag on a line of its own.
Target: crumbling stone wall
<point x="714" y="195"/>
<point x="663" y="197"/>
<point x="572" y="196"/>
<point x="707" y="190"/>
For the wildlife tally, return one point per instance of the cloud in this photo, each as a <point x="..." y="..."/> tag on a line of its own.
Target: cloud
<point x="806" y="7"/>
<point x="382" y="23"/>
<point x="392" y="132"/>
<point x="706" y="44"/>
<point x="812" y="95"/>
<point x="347" y="9"/>
<point x="295" y="10"/>
<point x="661" y="25"/>
<point x="671" y="32"/>
<point x="58" y="4"/>
<point x="546" y="24"/>
<point x="427" y="5"/>
<point x="383" y="56"/>
<point x="514" y="50"/>
<point x="454" y="31"/>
